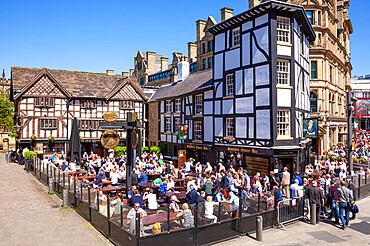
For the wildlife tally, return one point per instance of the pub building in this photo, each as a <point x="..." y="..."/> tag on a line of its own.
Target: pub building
<point x="250" y="110"/>
<point x="47" y="100"/>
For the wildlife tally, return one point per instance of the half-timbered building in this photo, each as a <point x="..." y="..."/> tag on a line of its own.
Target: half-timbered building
<point x="249" y="109"/>
<point x="46" y="101"/>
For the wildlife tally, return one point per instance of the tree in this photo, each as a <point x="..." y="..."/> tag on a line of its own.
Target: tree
<point x="6" y="112"/>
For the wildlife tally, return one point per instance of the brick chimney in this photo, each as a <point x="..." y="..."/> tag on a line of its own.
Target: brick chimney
<point x="132" y="71"/>
<point x="192" y="52"/>
<point x="125" y="74"/>
<point x="226" y="13"/>
<point x="253" y="3"/>
<point x="110" y="72"/>
<point x="164" y="63"/>
<point x="201" y="24"/>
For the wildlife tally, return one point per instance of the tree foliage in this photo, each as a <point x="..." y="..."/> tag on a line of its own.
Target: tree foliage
<point x="119" y="150"/>
<point x="6" y="112"/>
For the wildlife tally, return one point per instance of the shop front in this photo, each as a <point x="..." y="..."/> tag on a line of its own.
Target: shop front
<point x="251" y="159"/>
<point x="200" y="153"/>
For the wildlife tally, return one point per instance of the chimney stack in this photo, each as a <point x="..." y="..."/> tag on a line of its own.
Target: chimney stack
<point x="253" y="3"/>
<point x="110" y="72"/>
<point x="226" y="13"/>
<point x="201" y="24"/>
<point x="164" y="63"/>
<point x="132" y="71"/>
<point x="192" y="52"/>
<point x="125" y="74"/>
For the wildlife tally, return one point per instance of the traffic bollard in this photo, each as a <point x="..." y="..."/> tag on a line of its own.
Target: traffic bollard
<point x="313" y="213"/>
<point x="51" y="185"/>
<point x="7" y="157"/>
<point x="259" y="226"/>
<point x="65" y="197"/>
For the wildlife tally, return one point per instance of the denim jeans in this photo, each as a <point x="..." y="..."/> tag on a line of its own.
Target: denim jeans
<point x="343" y="207"/>
<point x="334" y="211"/>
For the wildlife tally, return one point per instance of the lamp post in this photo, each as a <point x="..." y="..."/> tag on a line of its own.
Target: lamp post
<point x="350" y="109"/>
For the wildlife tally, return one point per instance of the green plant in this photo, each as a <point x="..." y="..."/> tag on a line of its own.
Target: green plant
<point x="119" y="150"/>
<point x="146" y="149"/>
<point x="52" y="193"/>
<point x="29" y="155"/>
<point x="6" y="111"/>
<point x="33" y="138"/>
<point x="51" y="138"/>
<point x="155" y="149"/>
<point x="12" y="134"/>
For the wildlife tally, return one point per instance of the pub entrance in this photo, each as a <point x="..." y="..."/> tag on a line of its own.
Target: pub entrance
<point x="282" y="161"/>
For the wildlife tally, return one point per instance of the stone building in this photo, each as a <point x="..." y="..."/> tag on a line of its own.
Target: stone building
<point x="360" y="87"/>
<point x="330" y="65"/>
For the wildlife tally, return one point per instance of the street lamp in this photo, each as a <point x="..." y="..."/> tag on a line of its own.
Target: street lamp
<point x="350" y="109"/>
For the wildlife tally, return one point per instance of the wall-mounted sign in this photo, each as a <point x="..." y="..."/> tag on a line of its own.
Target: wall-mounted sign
<point x="110" y="116"/>
<point x="182" y="132"/>
<point x="310" y="128"/>
<point x="39" y="149"/>
<point x="109" y="139"/>
<point x="134" y="139"/>
<point x="362" y="108"/>
<point x="208" y="148"/>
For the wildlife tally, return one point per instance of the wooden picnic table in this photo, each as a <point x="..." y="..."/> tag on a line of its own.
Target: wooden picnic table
<point x="181" y="195"/>
<point x="148" y="185"/>
<point x="153" y="176"/>
<point x="105" y="182"/>
<point x="76" y="172"/>
<point x="86" y="177"/>
<point x="154" y="218"/>
<point x="113" y="188"/>
<point x="181" y="181"/>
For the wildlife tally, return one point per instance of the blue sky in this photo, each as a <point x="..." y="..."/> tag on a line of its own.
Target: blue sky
<point x="98" y="35"/>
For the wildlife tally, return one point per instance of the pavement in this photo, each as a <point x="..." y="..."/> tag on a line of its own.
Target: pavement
<point x="324" y="233"/>
<point x="29" y="216"/>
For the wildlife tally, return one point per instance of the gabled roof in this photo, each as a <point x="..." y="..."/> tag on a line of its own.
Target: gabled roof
<point x="263" y="8"/>
<point x="194" y="82"/>
<point x="130" y="87"/>
<point x="210" y="22"/>
<point x="76" y="84"/>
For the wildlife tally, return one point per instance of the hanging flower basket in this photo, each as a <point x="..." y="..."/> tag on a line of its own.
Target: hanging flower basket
<point x="51" y="138"/>
<point x="33" y="138"/>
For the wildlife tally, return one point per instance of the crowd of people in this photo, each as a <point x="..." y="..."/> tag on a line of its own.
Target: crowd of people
<point x="210" y="186"/>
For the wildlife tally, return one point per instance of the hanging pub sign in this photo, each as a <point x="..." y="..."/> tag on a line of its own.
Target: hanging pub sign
<point x="109" y="139"/>
<point x="310" y="128"/>
<point x="182" y="132"/>
<point x="134" y="139"/>
<point x="110" y="116"/>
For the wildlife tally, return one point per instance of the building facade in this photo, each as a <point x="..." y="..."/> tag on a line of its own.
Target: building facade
<point x="249" y="109"/>
<point x="360" y="87"/>
<point x="330" y="67"/>
<point x="47" y="100"/>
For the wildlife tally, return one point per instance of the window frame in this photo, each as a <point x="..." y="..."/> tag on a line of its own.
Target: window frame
<point x="167" y="124"/>
<point x="230" y="127"/>
<point x="209" y="45"/>
<point x="47" y="102"/>
<point x="229" y="85"/>
<point x="235" y="37"/>
<point x="313" y="101"/>
<point x="177" y="105"/>
<point x="280" y="73"/>
<point x="198" y="104"/>
<point x="198" y="130"/>
<point x="209" y="61"/>
<point x="283" y="126"/>
<point x="280" y="23"/>
<point x="126" y="105"/>
<point x="52" y="121"/>
<point x="312" y="19"/>
<point x="204" y="64"/>
<point x="176" y="123"/>
<point x="312" y="71"/>
<point x="167" y="106"/>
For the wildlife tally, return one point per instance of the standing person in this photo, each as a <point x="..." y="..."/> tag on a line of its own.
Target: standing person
<point x="208" y="212"/>
<point x="234" y="200"/>
<point x="344" y="197"/>
<point x="285" y="182"/>
<point x="274" y="181"/>
<point x="315" y="196"/>
<point x="295" y="189"/>
<point x="334" y="199"/>
<point x="352" y="188"/>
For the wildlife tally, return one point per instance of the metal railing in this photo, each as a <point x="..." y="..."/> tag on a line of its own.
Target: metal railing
<point x="289" y="210"/>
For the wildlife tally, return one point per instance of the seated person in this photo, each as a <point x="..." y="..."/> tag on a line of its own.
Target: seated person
<point x="208" y="205"/>
<point x="254" y="190"/>
<point x="187" y="216"/>
<point x="64" y="167"/>
<point x="98" y="181"/>
<point x="151" y="199"/>
<point x="192" y="196"/>
<point x="234" y="200"/>
<point x="143" y="176"/>
<point x="132" y="216"/>
<point x="130" y="192"/>
<point x="136" y="198"/>
<point x="220" y="196"/>
<point x="173" y="204"/>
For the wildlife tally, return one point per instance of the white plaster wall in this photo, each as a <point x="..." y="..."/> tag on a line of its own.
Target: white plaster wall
<point x="251" y="127"/>
<point x="248" y="80"/>
<point x="30" y="132"/>
<point x="262" y="75"/>
<point x="232" y="59"/>
<point x="246" y="54"/>
<point x="263" y="97"/>
<point x="162" y="123"/>
<point x="284" y="97"/>
<point x="246" y="26"/>
<point x="244" y="105"/>
<point x="228" y="106"/>
<point x="218" y="127"/>
<point x="261" y="20"/>
<point x="220" y="42"/>
<point x="241" y="127"/>
<point x="208" y="129"/>
<point x="162" y="107"/>
<point x="263" y="124"/>
<point x="217" y="107"/>
<point x="208" y="94"/>
<point x="262" y="40"/>
<point x="284" y="50"/>
<point x="219" y="92"/>
<point x="238" y="82"/>
<point x="208" y="107"/>
<point x="163" y="137"/>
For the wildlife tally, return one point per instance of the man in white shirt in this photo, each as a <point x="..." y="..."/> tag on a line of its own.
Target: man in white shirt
<point x="295" y="189"/>
<point x="114" y="175"/>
